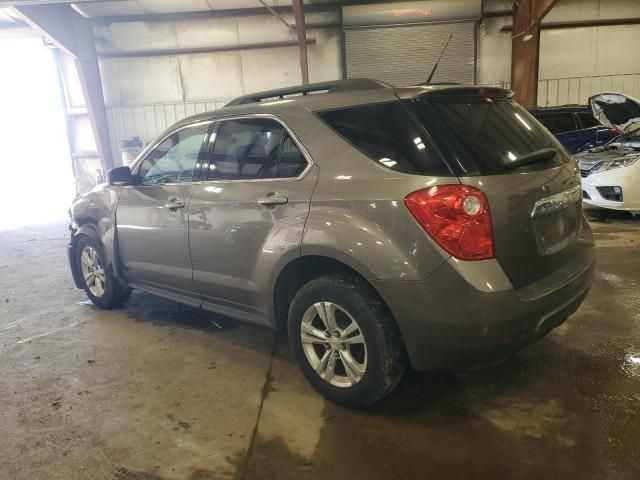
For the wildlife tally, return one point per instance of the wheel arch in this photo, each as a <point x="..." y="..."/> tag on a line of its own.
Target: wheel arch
<point x="88" y="230"/>
<point x="108" y="240"/>
<point x="302" y="270"/>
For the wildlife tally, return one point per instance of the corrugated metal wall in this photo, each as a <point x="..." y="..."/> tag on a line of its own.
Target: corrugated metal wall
<point x="144" y="95"/>
<point x="576" y="90"/>
<point x="148" y="121"/>
<point x="404" y="55"/>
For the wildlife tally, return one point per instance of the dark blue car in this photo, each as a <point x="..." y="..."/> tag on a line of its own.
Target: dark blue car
<point x="575" y="126"/>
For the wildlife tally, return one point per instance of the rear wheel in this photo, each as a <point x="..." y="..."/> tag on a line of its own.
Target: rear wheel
<point x="102" y="288"/>
<point x="345" y="340"/>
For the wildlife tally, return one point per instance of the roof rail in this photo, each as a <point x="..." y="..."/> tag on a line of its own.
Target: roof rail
<point x="320" y="87"/>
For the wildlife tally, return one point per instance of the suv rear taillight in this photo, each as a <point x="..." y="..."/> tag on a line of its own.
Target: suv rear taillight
<point x="457" y="217"/>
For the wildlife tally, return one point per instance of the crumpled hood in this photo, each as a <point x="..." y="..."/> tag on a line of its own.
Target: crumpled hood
<point x="615" y="110"/>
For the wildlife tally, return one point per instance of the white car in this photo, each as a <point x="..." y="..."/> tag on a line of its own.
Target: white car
<point x="611" y="173"/>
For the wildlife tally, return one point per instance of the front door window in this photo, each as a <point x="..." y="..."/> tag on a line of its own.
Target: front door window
<point x="175" y="159"/>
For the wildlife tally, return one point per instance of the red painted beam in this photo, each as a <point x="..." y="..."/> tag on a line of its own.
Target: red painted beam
<point x="525" y="55"/>
<point x="298" y="13"/>
<point x="73" y="34"/>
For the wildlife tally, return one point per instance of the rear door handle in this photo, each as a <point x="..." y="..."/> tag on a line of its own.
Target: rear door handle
<point x="273" y="199"/>
<point x="174" y="204"/>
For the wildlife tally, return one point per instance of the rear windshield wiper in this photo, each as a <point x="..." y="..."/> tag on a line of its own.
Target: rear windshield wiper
<point x="533" y="157"/>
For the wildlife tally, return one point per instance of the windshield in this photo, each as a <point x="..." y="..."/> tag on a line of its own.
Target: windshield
<point x="486" y="136"/>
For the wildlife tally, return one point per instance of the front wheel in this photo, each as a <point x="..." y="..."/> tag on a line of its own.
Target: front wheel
<point x="345" y="340"/>
<point x="102" y="288"/>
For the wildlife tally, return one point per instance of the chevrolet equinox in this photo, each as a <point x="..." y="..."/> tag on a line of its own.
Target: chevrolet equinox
<point x="381" y="228"/>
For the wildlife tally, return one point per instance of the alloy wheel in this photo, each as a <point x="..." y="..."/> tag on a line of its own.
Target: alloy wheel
<point x="333" y="344"/>
<point x="92" y="271"/>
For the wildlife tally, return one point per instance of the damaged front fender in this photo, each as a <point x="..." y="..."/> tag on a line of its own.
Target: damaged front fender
<point x="94" y="214"/>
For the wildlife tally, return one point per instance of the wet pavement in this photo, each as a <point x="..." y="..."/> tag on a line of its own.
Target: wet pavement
<point x="162" y="391"/>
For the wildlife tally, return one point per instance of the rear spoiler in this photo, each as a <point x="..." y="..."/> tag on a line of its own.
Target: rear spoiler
<point x="467" y="91"/>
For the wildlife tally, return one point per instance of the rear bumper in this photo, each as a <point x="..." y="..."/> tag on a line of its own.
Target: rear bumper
<point x="447" y="322"/>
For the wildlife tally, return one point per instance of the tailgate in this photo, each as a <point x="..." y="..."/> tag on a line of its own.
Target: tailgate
<point x="537" y="219"/>
<point x="492" y="143"/>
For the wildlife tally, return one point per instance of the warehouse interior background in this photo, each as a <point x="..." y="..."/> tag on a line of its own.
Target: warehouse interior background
<point x="161" y="61"/>
<point x="162" y="391"/>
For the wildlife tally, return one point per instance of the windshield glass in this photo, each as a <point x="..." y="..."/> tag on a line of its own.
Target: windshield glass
<point x="485" y="136"/>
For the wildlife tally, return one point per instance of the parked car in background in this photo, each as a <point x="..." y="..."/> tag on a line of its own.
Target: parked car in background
<point x="574" y="126"/>
<point x="437" y="227"/>
<point x="611" y="173"/>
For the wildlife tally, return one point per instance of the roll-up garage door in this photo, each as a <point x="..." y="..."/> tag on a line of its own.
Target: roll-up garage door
<point x="405" y="54"/>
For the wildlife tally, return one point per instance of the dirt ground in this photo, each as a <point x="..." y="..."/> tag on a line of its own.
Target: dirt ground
<point x="159" y="391"/>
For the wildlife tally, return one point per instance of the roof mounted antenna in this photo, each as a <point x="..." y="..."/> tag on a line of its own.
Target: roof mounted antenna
<point x="435" y="67"/>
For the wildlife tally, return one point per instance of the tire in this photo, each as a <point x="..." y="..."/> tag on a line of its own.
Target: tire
<point x="374" y="346"/>
<point x="102" y="288"/>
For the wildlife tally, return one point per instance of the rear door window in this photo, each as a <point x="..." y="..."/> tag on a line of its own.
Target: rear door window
<point x="254" y="148"/>
<point x="558" y="122"/>
<point x="288" y="164"/>
<point x="387" y="134"/>
<point x="244" y="147"/>
<point x="587" y="120"/>
<point x="482" y="136"/>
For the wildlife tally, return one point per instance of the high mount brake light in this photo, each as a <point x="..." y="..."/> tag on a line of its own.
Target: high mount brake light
<point x="457" y="217"/>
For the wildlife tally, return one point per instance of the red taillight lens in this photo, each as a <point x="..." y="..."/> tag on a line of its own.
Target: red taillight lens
<point x="457" y="217"/>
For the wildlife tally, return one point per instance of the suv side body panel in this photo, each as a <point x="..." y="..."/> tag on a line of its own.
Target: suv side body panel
<point x="153" y="239"/>
<point x="236" y="243"/>
<point x="357" y="213"/>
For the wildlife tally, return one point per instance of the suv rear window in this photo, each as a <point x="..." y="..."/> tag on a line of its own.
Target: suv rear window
<point x="482" y="136"/>
<point x="387" y="134"/>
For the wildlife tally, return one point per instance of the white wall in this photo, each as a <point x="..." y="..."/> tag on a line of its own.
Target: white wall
<point x="145" y="95"/>
<point x="574" y="63"/>
<point x="494" y="51"/>
<point x="210" y="76"/>
<point x="581" y="52"/>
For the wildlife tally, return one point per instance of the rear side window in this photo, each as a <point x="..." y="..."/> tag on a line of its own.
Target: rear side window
<point x="587" y="120"/>
<point x="482" y="136"/>
<point x="288" y="164"/>
<point x="255" y="148"/>
<point x="558" y="122"/>
<point x="387" y="134"/>
<point x="243" y="148"/>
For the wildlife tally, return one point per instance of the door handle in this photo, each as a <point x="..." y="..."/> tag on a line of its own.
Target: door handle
<point x="174" y="204"/>
<point x="273" y="199"/>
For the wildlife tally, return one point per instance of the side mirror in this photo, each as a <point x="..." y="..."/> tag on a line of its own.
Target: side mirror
<point x="120" y="176"/>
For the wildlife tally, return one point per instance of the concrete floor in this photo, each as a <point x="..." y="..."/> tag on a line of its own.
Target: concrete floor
<point x="157" y="391"/>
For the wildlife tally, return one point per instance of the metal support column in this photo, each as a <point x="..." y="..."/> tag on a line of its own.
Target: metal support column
<point x="73" y="34"/>
<point x="298" y="13"/>
<point x="525" y="48"/>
